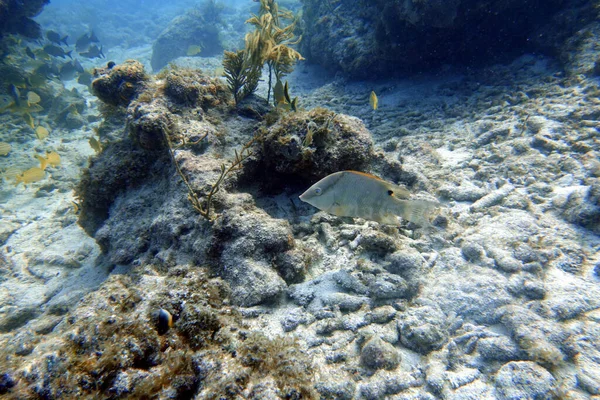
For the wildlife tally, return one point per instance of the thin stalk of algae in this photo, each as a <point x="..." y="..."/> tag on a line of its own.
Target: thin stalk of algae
<point x="236" y="165"/>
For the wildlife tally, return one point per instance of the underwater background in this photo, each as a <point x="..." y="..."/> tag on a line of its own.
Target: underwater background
<point x="154" y="245"/>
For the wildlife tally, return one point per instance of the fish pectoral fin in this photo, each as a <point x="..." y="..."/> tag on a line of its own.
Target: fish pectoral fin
<point x="337" y="209"/>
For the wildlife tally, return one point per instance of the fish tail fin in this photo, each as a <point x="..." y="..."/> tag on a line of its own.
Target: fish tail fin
<point x="416" y="211"/>
<point x="43" y="161"/>
<point x="64" y="40"/>
<point x="68" y="53"/>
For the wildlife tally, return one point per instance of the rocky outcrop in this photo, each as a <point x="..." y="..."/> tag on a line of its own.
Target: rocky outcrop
<point x="15" y="17"/>
<point x="380" y="38"/>
<point x="195" y="28"/>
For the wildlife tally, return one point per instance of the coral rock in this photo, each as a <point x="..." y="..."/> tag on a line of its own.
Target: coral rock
<point x="120" y="84"/>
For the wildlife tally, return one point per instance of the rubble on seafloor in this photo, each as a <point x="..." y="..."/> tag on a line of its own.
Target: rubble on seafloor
<point x="271" y="299"/>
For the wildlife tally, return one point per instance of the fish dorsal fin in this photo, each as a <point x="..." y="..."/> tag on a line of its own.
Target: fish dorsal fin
<point x="396" y="191"/>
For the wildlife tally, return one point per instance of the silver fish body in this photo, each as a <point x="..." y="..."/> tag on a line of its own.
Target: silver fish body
<point x="356" y="194"/>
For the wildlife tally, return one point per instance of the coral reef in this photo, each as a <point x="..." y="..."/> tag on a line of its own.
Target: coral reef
<point x="265" y="297"/>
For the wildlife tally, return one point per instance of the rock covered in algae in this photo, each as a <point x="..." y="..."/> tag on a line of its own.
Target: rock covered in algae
<point x="193" y="88"/>
<point x="119" y="84"/>
<point x="313" y="144"/>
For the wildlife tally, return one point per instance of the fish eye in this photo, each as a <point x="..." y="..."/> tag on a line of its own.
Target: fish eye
<point x="318" y="191"/>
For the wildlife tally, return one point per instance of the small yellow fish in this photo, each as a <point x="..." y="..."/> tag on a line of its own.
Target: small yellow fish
<point x="41" y="132"/>
<point x="356" y="194"/>
<point x="95" y="144"/>
<point x="51" y="158"/>
<point x="4" y="148"/>
<point x="34" y="174"/>
<point x="373" y="100"/>
<point x="75" y="207"/>
<point x="32" y="98"/>
<point x="219" y="72"/>
<point x="11" y="173"/>
<point x="193" y="50"/>
<point x="278" y="93"/>
<point x="29" y="120"/>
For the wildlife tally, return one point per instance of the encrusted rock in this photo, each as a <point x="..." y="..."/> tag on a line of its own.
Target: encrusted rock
<point x="378" y="354"/>
<point x="313" y="144"/>
<point x="498" y="348"/>
<point x="245" y="243"/>
<point x="193" y="88"/>
<point x="121" y="83"/>
<point x="525" y="380"/>
<point x="422" y="329"/>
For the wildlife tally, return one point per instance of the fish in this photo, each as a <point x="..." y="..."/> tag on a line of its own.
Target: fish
<point x="54" y="37"/>
<point x="34" y="174"/>
<point x="32" y="98"/>
<point x="41" y="133"/>
<point x="193" y="50"/>
<point x="16" y="94"/>
<point x="46" y="71"/>
<point x="85" y="78"/>
<point x="28" y="119"/>
<point x="36" y="80"/>
<point x="57" y="51"/>
<point x="85" y="40"/>
<point x="68" y="71"/>
<point x="6" y="101"/>
<point x="78" y="67"/>
<point x="282" y="97"/>
<point x="278" y="93"/>
<point x="95" y="144"/>
<point x="373" y="100"/>
<point x="29" y="53"/>
<point x="11" y="173"/>
<point x="219" y="72"/>
<point x="52" y="159"/>
<point x="5" y="148"/>
<point x="361" y="195"/>
<point x="93" y="52"/>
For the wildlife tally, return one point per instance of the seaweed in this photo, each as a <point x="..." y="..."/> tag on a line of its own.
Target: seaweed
<point x="269" y="44"/>
<point x="270" y="41"/>
<point x="241" y="75"/>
